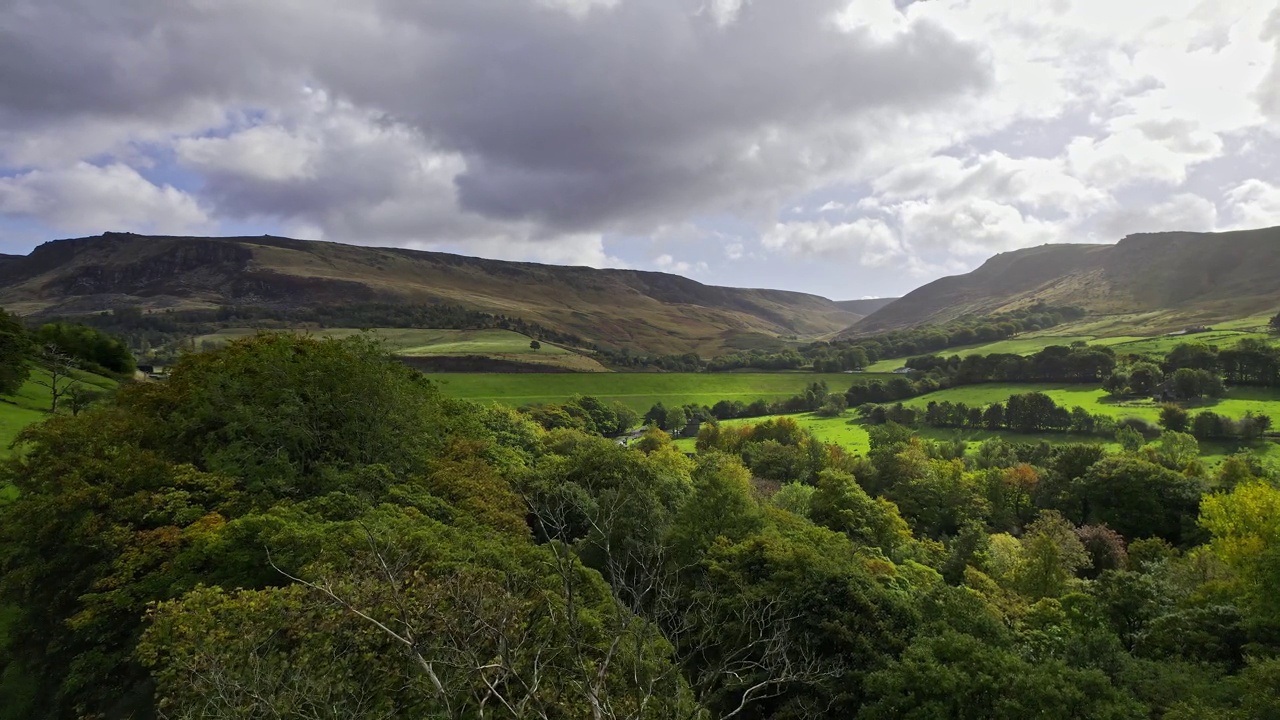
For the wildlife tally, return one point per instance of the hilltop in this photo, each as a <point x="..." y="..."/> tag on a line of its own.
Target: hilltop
<point x="651" y="311"/>
<point x="1176" y="279"/>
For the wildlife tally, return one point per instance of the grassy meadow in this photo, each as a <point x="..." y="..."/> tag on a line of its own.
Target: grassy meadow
<point x="638" y="391"/>
<point x="31" y="405"/>
<point x="1103" y="332"/>
<point x="420" y="343"/>
<point x="851" y="433"/>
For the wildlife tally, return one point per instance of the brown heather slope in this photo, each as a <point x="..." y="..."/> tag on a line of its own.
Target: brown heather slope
<point x="640" y="310"/>
<point x="1180" y="278"/>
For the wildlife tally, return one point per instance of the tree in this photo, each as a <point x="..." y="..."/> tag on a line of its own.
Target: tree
<point x="535" y="345"/>
<point x="522" y="632"/>
<point x="1246" y="537"/>
<point x="1144" y="378"/>
<point x="675" y="421"/>
<point x="60" y="368"/>
<point x="168" y="486"/>
<point x="834" y="406"/>
<point x="1177" y="451"/>
<point x="91" y="348"/>
<point x="1105" y="547"/>
<point x="1174" y="418"/>
<point x="993" y="416"/>
<point x="1195" y="355"/>
<point x="842" y="505"/>
<point x="955" y="675"/>
<point x="1130" y="440"/>
<point x="15" y="353"/>
<point x="79" y="398"/>
<point x="1139" y="499"/>
<point x="1052" y="554"/>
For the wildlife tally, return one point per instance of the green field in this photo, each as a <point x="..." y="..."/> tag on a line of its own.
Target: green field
<point x="31" y="404"/>
<point x="1223" y="336"/>
<point x="417" y="342"/>
<point x="639" y="391"/>
<point x="1238" y="401"/>
<point x="850" y="433"/>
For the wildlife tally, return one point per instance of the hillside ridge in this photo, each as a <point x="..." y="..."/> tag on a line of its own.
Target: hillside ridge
<point x="652" y="311"/>
<point x="1179" y="278"/>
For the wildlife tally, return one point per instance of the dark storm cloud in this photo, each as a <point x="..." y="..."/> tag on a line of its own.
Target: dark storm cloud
<point x="620" y="116"/>
<point x="648" y="106"/>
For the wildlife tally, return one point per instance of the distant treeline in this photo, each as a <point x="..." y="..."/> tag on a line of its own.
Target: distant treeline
<point x="1025" y="413"/>
<point x="967" y="330"/>
<point x="65" y="344"/>
<point x="817" y="397"/>
<point x="586" y="414"/>
<point x="1249" y="362"/>
<point x="1054" y="364"/>
<point x="157" y="330"/>
<point x="1037" y="412"/>
<point x="855" y="354"/>
<point x="1190" y="371"/>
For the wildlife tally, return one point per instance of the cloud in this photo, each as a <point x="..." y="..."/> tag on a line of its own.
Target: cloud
<point x="1155" y="151"/>
<point x="1186" y="211"/>
<point x="921" y="135"/>
<point x="88" y="198"/>
<point x="1268" y="94"/>
<point x="611" y="116"/>
<point x="870" y="240"/>
<point x="666" y="263"/>
<point x="1255" y="204"/>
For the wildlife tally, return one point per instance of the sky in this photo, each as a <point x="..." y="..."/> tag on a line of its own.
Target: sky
<point x="845" y="148"/>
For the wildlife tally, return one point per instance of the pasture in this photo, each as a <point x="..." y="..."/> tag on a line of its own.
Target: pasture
<point x="1224" y="335"/>
<point x="411" y="341"/>
<point x="851" y="434"/>
<point x="1239" y="400"/>
<point x="638" y="391"/>
<point x="421" y="343"/>
<point x="31" y="405"/>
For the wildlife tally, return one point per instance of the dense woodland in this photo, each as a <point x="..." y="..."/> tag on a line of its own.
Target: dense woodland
<point x="292" y="527"/>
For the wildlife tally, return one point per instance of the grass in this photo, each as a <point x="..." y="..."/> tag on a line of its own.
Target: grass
<point x="850" y="433"/>
<point x="847" y="431"/>
<point x="415" y="342"/>
<point x="1128" y="333"/>
<point x="1239" y="400"/>
<point x="419" y="342"/>
<point x="31" y="405"/>
<point x="639" y="391"/>
<point x="1223" y="336"/>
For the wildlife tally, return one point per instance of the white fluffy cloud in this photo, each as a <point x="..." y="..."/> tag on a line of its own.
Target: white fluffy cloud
<point x="89" y="198"/>
<point x="868" y="239"/>
<point x="1186" y="211"/>
<point x="1255" y="203"/>
<point x="667" y="263"/>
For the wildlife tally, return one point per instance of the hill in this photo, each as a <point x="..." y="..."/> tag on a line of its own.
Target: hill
<point x="865" y="306"/>
<point x="1174" y="279"/>
<point x="651" y="311"/>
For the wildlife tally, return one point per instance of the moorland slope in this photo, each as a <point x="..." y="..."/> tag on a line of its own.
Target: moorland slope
<point x="1178" y="278"/>
<point x="650" y="311"/>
